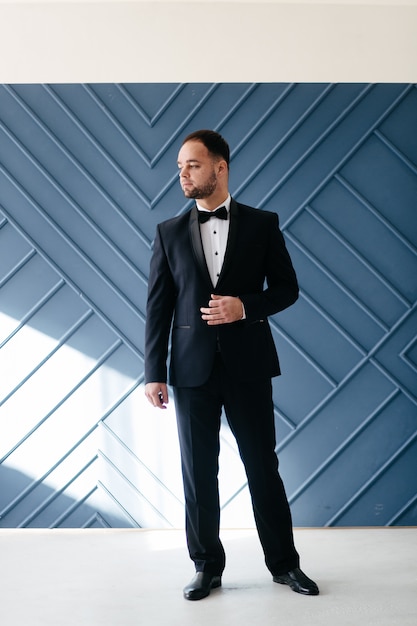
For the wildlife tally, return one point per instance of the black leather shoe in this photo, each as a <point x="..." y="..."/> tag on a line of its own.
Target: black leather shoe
<point x="298" y="581"/>
<point x="201" y="585"/>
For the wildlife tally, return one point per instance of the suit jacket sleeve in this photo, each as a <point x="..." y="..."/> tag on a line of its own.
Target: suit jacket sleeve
<point x="159" y="312"/>
<point x="281" y="289"/>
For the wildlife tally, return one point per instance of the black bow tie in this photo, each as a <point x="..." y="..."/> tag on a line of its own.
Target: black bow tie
<point x="204" y="216"/>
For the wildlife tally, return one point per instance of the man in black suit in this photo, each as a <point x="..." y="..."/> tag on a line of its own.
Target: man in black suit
<point x="217" y="273"/>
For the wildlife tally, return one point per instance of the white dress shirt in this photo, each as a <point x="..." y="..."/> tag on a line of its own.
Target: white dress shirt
<point x="214" y="235"/>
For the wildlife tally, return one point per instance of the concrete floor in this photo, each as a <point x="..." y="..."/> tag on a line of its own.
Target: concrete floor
<point x="135" y="577"/>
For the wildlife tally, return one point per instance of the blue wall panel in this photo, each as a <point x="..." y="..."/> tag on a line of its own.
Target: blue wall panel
<point x="86" y="173"/>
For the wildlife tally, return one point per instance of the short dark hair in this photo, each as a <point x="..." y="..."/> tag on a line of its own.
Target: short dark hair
<point x="214" y="142"/>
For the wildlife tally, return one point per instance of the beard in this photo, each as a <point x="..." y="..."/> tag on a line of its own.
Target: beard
<point x="204" y="191"/>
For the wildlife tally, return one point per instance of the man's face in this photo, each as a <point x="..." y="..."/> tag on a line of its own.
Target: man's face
<point x="197" y="171"/>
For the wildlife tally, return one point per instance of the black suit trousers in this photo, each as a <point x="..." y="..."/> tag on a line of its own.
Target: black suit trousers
<point x="249" y="411"/>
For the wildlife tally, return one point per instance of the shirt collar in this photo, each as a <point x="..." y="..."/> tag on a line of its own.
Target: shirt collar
<point x="226" y="203"/>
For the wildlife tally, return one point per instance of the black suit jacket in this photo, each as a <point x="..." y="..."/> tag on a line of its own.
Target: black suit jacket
<point x="257" y="268"/>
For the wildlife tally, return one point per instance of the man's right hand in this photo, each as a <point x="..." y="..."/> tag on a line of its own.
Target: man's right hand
<point x="157" y="394"/>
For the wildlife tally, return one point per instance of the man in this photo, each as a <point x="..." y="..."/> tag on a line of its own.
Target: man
<point x="214" y="279"/>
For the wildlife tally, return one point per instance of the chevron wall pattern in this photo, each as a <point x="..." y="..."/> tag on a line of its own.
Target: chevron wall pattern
<point x="86" y="173"/>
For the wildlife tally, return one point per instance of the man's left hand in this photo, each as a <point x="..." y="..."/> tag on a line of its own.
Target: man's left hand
<point x="222" y="310"/>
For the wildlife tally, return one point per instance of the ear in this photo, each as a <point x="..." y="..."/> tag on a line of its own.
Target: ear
<point x="222" y="168"/>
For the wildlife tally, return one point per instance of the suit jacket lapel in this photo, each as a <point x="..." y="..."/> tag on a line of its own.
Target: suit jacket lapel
<point x="197" y="245"/>
<point x="231" y="241"/>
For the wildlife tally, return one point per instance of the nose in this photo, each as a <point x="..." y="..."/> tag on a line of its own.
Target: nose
<point x="184" y="171"/>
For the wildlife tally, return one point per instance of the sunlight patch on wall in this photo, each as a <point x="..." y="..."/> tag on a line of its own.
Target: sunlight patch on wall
<point x="52" y="397"/>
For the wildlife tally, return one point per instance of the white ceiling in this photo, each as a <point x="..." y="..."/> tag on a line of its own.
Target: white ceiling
<point x="200" y="41"/>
